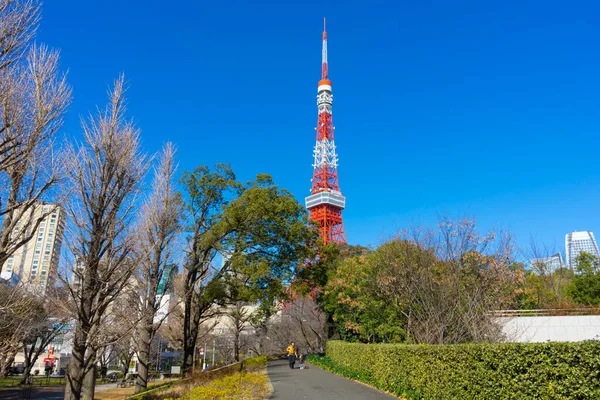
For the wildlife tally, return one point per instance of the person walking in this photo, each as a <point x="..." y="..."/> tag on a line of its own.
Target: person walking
<point x="291" y="351"/>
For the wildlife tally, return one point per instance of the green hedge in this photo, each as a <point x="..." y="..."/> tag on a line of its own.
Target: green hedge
<point x="475" y="371"/>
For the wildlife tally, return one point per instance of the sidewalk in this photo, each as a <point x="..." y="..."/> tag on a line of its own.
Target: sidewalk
<point x="315" y="383"/>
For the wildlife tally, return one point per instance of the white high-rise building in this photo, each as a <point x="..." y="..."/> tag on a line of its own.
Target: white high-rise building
<point x="36" y="262"/>
<point x="547" y="265"/>
<point x="576" y="242"/>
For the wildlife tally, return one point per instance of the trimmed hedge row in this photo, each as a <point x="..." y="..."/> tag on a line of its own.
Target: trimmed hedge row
<point x="476" y="371"/>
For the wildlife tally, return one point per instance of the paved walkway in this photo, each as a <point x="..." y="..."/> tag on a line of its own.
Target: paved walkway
<point x="315" y="383"/>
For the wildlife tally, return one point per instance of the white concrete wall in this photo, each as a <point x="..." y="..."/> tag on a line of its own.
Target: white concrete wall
<point x="551" y="328"/>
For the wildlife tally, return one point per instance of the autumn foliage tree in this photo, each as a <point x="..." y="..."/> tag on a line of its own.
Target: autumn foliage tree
<point x="425" y="286"/>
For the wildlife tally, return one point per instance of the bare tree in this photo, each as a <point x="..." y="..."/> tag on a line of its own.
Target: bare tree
<point x="450" y="278"/>
<point x="17" y="310"/>
<point x="19" y="20"/>
<point x="34" y="97"/>
<point x="239" y="316"/>
<point x="158" y="231"/>
<point x="42" y="331"/>
<point x="105" y="173"/>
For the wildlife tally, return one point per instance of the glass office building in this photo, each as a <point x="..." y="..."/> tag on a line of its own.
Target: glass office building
<point x="576" y="242"/>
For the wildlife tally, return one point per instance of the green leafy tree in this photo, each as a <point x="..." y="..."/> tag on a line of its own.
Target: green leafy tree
<point x="544" y="291"/>
<point x="260" y="231"/>
<point x="585" y="287"/>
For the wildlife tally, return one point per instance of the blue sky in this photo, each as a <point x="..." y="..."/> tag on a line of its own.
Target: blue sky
<point x="490" y="109"/>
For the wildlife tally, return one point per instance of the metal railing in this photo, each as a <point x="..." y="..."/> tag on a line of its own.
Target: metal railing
<point x="546" y="312"/>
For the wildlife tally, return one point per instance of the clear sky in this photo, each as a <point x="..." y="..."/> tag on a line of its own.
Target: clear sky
<point x="490" y="109"/>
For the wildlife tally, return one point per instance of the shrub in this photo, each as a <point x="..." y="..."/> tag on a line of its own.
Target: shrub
<point x="223" y="383"/>
<point x="237" y="386"/>
<point x="256" y="363"/>
<point x="474" y="371"/>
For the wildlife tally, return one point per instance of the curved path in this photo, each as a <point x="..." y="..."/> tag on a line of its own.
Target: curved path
<point x="315" y="383"/>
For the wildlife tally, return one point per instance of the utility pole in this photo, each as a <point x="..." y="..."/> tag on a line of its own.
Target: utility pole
<point x="213" y="361"/>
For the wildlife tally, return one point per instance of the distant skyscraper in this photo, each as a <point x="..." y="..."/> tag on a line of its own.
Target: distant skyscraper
<point x="547" y="264"/>
<point x="36" y="262"/>
<point x="167" y="281"/>
<point x="576" y="242"/>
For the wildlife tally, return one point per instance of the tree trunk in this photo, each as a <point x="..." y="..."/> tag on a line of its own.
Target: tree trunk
<point x="26" y="370"/>
<point x="189" y="340"/>
<point x="193" y="325"/>
<point x="89" y="384"/>
<point x="144" y="343"/>
<point x="236" y="346"/>
<point x="126" y="361"/>
<point x="77" y="366"/>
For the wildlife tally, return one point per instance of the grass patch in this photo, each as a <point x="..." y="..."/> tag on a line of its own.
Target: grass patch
<point x="241" y="385"/>
<point x="121" y="393"/>
<point x="239" y="381"/>
<point x="37" y="381"/>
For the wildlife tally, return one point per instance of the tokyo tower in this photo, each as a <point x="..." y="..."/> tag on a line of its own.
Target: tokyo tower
<point x="326" y="201"/>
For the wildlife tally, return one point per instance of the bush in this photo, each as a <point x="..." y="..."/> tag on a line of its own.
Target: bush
<point x="222" y="383"/>
<point x="256" y="363"/>
<point x="473" y="371"/>
<point x="237" y="386"/>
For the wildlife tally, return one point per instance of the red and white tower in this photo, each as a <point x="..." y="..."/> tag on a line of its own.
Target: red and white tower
<point x="326" y="201"/>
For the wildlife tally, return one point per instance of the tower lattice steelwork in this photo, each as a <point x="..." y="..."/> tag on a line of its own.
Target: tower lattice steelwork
<point x="326" y="201"/>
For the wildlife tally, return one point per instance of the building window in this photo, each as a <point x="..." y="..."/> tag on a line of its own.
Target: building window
<point x="38" y="246"/>
<point x="35" y="262"/>
<point x="48" y="246"/>
<point x="46" y="257"/>
<point x="43" y="272"/>
<point x="37" y="252"/>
